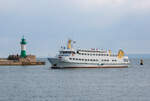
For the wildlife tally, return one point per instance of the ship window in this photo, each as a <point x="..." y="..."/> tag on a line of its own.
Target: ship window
<point x="114" y="60"/>
<point x="105" y="60"/>
<point x="64" y="52"/>
<point x="95" y="59"/>
<point x="125" y="60"/>
<point x="76" y="58"/>
<point x="85" y="59"/>
<point x="73" y="58"/>
<point x="90" y="59"/>
<point x="67" y="52"/>
<point x="70" y="58"/>
<point x="82" y="59"/>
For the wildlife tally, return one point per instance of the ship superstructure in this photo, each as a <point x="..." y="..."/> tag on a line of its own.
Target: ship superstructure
<point x="88" y="58"/>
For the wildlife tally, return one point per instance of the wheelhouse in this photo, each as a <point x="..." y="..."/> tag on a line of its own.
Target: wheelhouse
<point x="67" y="52"/>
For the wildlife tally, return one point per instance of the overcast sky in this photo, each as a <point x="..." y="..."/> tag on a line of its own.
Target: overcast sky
<point x="47" y="24"/>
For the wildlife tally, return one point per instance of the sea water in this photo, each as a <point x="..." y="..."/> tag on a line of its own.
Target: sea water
<point x="41" y="83"/>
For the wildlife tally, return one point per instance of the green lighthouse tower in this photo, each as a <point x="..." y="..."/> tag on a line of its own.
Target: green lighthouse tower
<point x="23" y="47"/>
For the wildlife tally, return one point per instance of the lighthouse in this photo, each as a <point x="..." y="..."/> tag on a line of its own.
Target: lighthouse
<point x="23" y="47"/>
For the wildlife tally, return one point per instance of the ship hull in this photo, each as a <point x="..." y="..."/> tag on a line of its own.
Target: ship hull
<point x="57" y="63"/>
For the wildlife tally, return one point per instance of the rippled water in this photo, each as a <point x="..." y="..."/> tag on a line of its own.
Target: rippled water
<point x="40" y="83"/>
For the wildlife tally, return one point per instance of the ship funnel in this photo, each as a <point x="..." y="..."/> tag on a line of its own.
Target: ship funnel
<point x="69" y="44"/>
<point x="110" y="52"/>
<point x="120" y="54"/>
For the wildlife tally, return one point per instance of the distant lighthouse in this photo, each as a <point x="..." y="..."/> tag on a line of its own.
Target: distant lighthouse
<point x="23" y="47"/>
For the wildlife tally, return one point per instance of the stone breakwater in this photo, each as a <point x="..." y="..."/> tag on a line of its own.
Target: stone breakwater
<point x="14" y="60"/>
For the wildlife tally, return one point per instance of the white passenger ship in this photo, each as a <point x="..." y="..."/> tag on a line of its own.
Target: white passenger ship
<point x="93" y="58"/>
